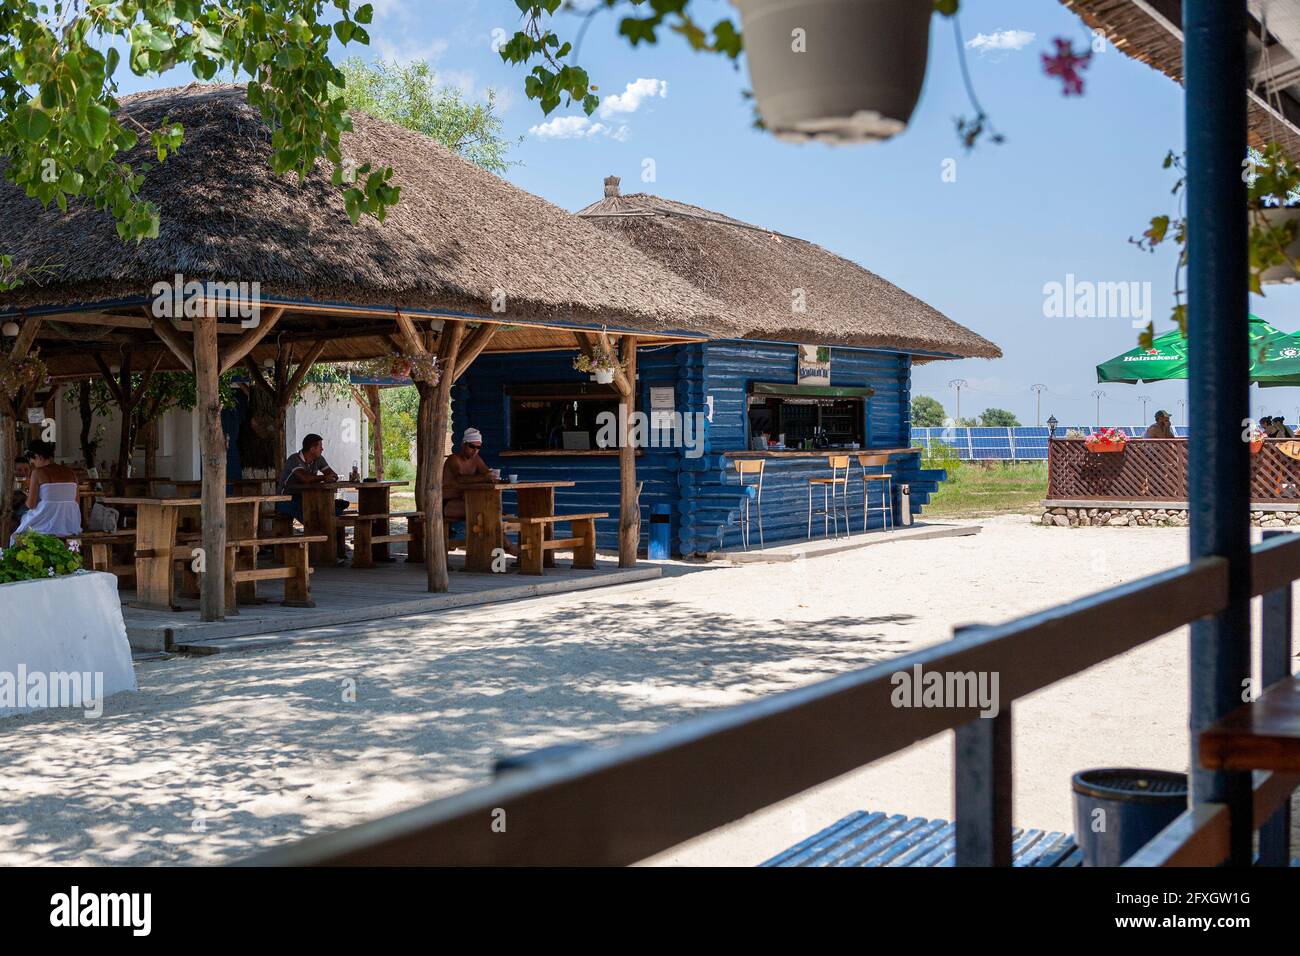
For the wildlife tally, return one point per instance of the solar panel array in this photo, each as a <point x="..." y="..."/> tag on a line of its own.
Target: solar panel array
<point x="1025" y="443"/>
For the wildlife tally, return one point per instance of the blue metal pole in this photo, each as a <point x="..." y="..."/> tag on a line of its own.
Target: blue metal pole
<point x="1214" y="65"/>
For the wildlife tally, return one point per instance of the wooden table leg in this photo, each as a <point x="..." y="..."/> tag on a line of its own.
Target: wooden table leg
<point x="374" y="501"/>
<point x="482" y="528"/>
<point x="318" y="518"/>
<point x="539" y="503"/>
<point x="241" y="525"/>
<point x="155" y="536"/>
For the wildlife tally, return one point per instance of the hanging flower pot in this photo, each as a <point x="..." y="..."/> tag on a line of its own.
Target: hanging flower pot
<point x="604" y="376"/>
<point x="1256" y="445"/>
<point x="1106" y="440"/>
<point x="1274" y="216"/>
<point x="836" y="71"/>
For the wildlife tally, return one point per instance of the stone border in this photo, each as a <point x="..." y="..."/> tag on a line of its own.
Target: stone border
<point x="1155" y="517"/>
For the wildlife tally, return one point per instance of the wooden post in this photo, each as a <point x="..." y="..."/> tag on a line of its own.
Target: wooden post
<point x="8" y="452"/>
<point x="376" y="428"/>
<point x="629" y="507"/>
<point x="212" y="459"/>
<point x="433" y="439"/>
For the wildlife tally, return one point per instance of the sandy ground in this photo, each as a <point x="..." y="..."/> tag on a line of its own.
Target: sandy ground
<point x="218" y="757"/>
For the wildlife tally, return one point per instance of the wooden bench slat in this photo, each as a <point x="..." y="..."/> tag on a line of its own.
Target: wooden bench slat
<point x="551" y="519"/>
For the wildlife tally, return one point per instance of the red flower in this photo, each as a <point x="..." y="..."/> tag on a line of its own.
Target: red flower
<point x="1066" y="64"/>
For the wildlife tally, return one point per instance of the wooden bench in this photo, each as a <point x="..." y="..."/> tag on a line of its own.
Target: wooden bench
<point x="364" y="536"/>
<point x="97" y="552"/>
<point x="534" y="543"/>
<point x="294" y="570"/>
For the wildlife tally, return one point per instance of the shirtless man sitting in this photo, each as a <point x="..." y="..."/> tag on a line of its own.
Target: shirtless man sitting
<point x="465" y="464"/>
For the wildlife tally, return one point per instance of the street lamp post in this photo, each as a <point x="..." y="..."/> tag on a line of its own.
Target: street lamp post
<point x="1098" y="394"/>
<point x="1144" y="399"/>
<point x="1038" y="402"/>
<point x="958" y="384"/>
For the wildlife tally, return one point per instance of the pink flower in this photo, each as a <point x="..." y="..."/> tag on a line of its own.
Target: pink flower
<point x="1066" y="64"/>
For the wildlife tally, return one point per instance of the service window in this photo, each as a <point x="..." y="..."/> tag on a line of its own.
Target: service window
<point x="558" y="417"/>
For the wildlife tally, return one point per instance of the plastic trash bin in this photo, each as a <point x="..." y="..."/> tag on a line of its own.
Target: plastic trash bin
<point x="1117" y="810"/>
<point x="659" y="547"/>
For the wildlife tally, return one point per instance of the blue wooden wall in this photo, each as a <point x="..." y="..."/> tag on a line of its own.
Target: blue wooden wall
<point x="703" y="492"/>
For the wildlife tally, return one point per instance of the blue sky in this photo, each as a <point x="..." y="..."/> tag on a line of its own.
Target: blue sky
<point x="1074" y="180"/>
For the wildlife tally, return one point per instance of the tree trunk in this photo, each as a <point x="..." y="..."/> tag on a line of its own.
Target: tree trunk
<point x="88" y="448"/>
<point x="377" y="428"/>
<point x="8" y="452"/>
<point x="629" y="507"/>
<point x="433" y="439"/>
<point x="212" y="457"/>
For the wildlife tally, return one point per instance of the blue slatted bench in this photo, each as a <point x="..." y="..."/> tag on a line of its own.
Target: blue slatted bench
<point x="877" y="839"/>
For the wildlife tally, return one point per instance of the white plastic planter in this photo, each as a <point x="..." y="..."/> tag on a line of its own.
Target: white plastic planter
<point x="604" y="376"/>
<point x="1284" y="273"/>
<point x="837" y="71"/>
<point x="55" y="632"/>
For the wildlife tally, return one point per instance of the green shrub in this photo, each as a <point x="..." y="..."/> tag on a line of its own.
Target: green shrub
<point x="943" y="456"/>
<point x="399" y="469"/>
<point x="35" y="555"/>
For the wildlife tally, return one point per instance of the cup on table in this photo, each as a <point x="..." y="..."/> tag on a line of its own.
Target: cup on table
<point x="496" y="474"/>
<point x="513" y="479"/>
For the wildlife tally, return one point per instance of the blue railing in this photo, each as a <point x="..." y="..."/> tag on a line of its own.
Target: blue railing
<point x="1025" y="443"/>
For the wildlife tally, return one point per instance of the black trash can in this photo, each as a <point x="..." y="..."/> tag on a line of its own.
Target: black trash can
<point x="1118" y="810"/>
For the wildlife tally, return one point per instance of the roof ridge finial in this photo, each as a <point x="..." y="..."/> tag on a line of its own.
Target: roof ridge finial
<point x="611" y="186"/>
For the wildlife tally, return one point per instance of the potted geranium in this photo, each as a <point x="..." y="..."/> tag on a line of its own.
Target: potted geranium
<point x="843" y="71"/>
<point x="1255" y="436"/>
<point x="68" y="637"/>
<point x="601" y="363"/>
<point x="1105" y="440"/>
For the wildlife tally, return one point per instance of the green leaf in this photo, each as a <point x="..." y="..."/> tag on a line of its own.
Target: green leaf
<point x="32" y="124"/>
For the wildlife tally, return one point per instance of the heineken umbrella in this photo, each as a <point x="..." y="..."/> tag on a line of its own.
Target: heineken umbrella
<point x="1274" y="358"/>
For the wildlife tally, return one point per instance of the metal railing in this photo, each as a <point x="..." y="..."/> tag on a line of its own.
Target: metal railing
<point x="628" y="802"/>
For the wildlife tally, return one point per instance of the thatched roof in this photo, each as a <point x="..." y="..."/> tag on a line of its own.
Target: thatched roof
<point x="1151" y="33"/>
<point x="756" y="271"/>
<point x="457" y="233"/>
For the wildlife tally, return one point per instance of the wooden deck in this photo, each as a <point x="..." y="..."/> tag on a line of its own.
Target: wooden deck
<point x="346" y="596"/>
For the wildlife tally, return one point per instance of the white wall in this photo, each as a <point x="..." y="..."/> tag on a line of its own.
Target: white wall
<point x="339" y="422"/>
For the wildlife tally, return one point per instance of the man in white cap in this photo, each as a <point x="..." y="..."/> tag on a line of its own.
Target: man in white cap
<point x="464" y="463"/>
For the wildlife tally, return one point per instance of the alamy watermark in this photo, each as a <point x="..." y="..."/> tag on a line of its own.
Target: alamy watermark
<point x="38" y="689"/>
<point x="958" y="690"/>
<point x="658" y="429"/>
<point x="190" y="299"/>
<point x="1085" y="299"/>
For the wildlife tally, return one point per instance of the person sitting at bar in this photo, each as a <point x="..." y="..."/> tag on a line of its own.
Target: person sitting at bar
<point x="51" y="495"/>
<point x="1161" y="428"/>
<point x="309" y="467"/>
<point x="1281" y="427"/>
<point x="465" y="464"/>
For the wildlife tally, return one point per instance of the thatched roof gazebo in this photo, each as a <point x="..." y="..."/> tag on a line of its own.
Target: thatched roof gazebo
<point x="758" y="273"/>
<point x="464" y="263"/>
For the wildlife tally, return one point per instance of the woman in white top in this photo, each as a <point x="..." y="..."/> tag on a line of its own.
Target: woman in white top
<point x="51" y="496"/>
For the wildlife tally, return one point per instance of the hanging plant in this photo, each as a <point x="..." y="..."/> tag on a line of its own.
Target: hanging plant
<point x="17" y="376"/>
<point x="1273" y="215"/>
<point x="418" y="368"/>
<point x="600" y="362"/>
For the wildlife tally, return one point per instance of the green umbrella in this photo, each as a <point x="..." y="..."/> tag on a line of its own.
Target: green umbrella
<point x="1274" y="358"/>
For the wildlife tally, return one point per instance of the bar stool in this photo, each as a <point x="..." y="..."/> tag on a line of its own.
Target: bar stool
<point x="751" y="466"/>
<point x="887" y="492"/>
<point x="835" y="496"/>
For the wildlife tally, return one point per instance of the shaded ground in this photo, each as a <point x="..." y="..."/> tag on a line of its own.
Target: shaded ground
<point x="216" y="758"/>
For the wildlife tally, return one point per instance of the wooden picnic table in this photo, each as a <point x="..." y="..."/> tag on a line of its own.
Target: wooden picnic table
<point x="318" y="517"/>
<point x="155" y="543"/>
<point x="483" y="512"/>
<point x="239" y="486"/>
<point x="1261" y="735"/>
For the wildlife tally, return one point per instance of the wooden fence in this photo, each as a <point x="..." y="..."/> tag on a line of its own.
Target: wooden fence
<point x="1156" y="469"/>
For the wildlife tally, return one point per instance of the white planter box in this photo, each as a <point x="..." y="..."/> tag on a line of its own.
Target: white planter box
<point x="56" y="631"/>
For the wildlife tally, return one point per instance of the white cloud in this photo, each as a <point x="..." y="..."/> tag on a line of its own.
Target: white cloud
<point x="1000" y="41"/>
<point x="577" y="127"/>
<point x="408" y="52"/>
<point x="630" y="100"/>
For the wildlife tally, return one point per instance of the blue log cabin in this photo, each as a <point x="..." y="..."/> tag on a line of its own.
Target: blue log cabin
<point x="826" y="366"/>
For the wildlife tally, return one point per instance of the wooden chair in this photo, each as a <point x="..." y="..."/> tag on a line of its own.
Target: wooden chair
<point x="884" y="481"/>
<point x="97" y="552"/>
<point x="295" y="570"/>
<point x="835" y="496"/>
<point x="745" y="467"/>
